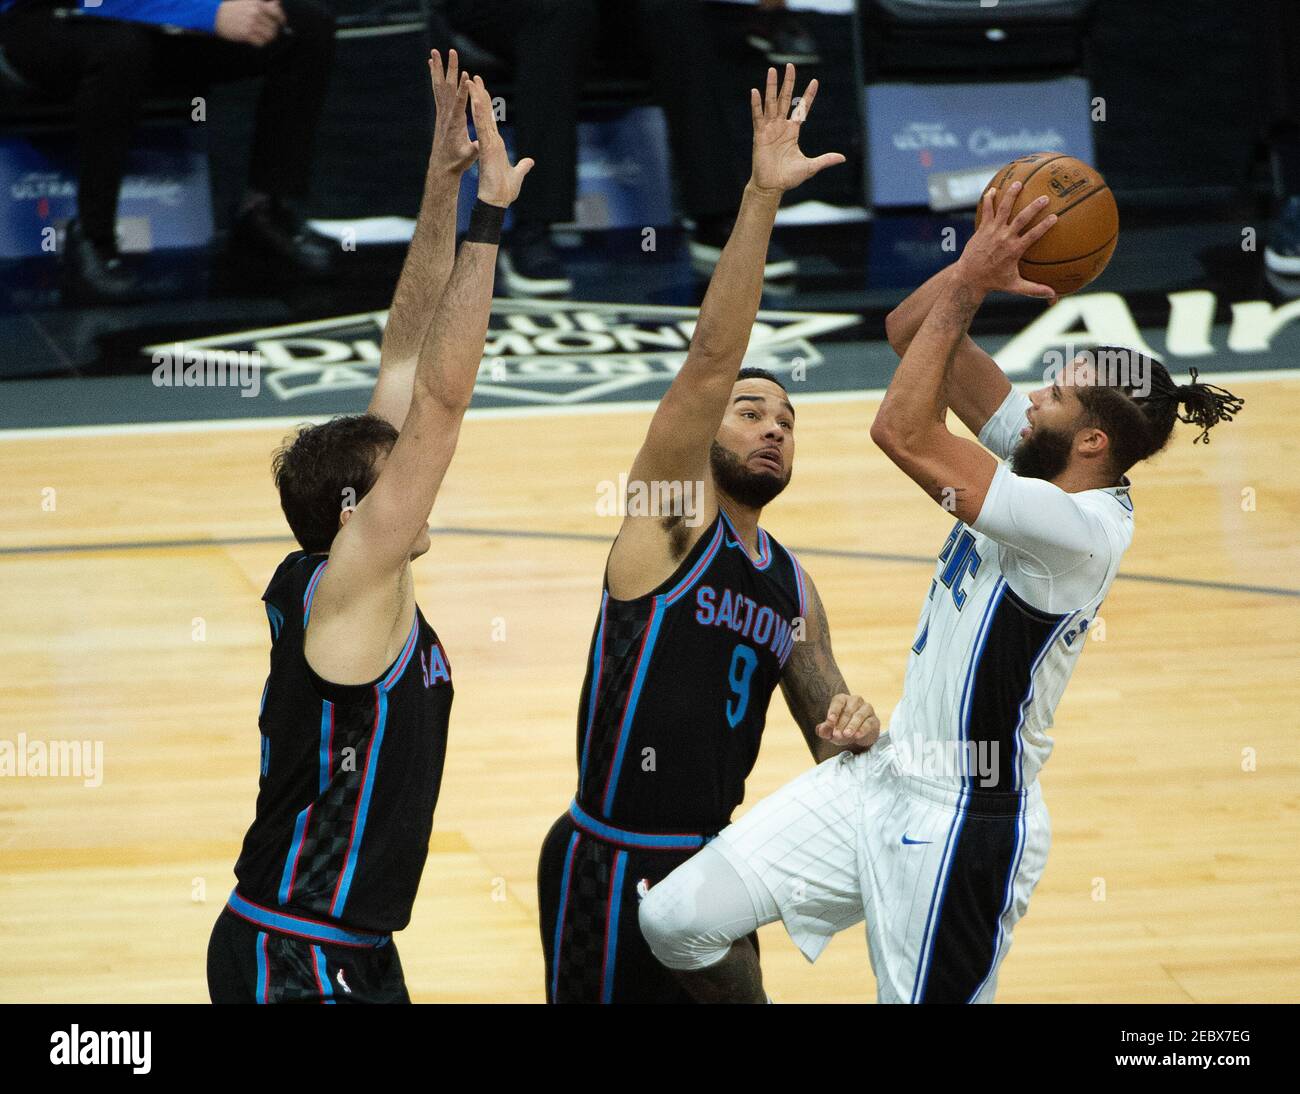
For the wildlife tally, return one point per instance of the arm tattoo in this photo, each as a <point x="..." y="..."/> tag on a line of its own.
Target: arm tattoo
<point x="811" y="677"/>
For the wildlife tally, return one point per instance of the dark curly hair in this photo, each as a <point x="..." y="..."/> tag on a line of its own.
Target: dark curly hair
<point x="1135" y="402"/>
<point x="324" y="468"/>
<point x="750" y="372"/>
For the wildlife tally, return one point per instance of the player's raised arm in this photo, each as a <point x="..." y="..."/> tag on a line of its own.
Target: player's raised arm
<point x="677" y="444"/>
<point x="829" y="716"/>
<point x="433" y="246"/>
<point x="977" y="386"/>
<point x="910" y="426"/>
<point x="374" y="544"/>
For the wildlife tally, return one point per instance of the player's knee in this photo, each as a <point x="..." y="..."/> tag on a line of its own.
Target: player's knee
<point x="691" y="918"/>
<point x="667" y="918"/>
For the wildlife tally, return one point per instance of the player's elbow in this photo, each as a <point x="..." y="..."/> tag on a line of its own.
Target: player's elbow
<point x="441" y="397"/>
<point x="894" y="333"/>
<point x="884" y="433"/>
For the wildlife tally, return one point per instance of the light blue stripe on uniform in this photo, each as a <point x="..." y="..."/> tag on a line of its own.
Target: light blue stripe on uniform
<point x="625" y="730"/>
<point x="292" y="857"/>
<point x="262" y="977"/>
<point x="323" y="974"/>
<point x="559" y="916"/>
<point x="326" y="725"/>
<point x="367" y="789"/>
<point x="598" y="662"/>
<point x="611" y="931"/>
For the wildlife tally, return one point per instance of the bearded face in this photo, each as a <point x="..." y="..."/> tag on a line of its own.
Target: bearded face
<point x="750" y="486"/>
<point x="1043" y="453"/>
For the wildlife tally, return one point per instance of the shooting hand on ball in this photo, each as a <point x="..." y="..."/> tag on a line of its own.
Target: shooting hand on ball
<point x="991" y="260"/>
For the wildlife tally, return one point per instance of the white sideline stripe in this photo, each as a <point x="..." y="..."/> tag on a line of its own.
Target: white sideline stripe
<point x="506" y="412"/>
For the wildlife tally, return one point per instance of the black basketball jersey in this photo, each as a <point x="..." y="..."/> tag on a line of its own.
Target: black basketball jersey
<point x="678" y="684"/>
<point x="350" y="773"/>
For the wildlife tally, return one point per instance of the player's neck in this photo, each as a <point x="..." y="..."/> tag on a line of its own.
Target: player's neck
<point x="1075" y="479"/>
<point x="744" y="519"/>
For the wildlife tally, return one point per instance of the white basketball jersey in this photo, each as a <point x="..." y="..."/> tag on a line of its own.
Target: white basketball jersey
<point x="1004" y="621"/>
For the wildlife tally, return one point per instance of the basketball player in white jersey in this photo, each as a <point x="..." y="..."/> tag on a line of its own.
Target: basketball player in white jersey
<point x="938" y="834"/>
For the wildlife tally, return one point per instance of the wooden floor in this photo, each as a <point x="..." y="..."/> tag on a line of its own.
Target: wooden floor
<point x="1173" y="791"/>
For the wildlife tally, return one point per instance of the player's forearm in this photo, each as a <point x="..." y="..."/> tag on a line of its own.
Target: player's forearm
<point x="453" y="346"/>
<point x="810" y="681"/>
<point x="426" y="270"/>
<point x="904" y="321"/>
<point x="731" y="302"/>
<point x="917" y="398"/>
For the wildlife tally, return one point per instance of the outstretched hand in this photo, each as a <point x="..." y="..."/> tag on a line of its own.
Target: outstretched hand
<point x="453" y="151"/>
<point x="991" y="259"/>
<point x="498" y="181"/>
<point x="778" y="163"/>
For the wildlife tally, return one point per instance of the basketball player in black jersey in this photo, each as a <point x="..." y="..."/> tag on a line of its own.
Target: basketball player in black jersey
<point x="354" y="712"/>
<point x="699" y="621"/>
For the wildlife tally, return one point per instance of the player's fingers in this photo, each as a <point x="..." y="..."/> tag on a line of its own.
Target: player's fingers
<point x="986" y="212"/>
<point x="1033" y="288"/>
<point x="462" y="95"/>
<point x="769" y="95"/>
<point x="435" y="67"/>
<point x="453" y="67"/>
<point x="852" y="729"/>
<point x="1022" y="219"/>
<point x="804" y="105"/>
<point x="824" y="731"/>
<point x="1039" y="230"/>
<point x="1005" y="201"/>
<point x="833" y="712"/>
<point x="755" y="106"/>
<point x="480" y="105"/>
<point x="276" y="12"/>
<point x="826" y="159"/>
<point x="787" y="93"/>
<point x="523" y="167"/>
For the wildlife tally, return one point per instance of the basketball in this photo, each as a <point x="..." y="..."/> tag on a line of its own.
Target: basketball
<point x="1079" y="245"/>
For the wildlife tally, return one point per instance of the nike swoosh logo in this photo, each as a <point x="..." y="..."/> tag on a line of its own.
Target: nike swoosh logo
<point x="914" y="841"/>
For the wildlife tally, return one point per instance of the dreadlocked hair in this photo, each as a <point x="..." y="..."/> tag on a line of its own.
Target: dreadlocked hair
<point x="1135" y="402"/>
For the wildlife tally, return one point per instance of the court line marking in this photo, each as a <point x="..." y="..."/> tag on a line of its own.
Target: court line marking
<point x="592" y="537"/>
<point x="507" y="412"/>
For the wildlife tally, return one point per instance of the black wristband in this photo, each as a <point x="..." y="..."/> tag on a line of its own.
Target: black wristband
<point x="485" y="223"/>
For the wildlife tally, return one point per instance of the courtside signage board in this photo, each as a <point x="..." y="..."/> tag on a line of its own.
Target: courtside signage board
<point x="165" y="200"/>
<point x="930" y="144"/>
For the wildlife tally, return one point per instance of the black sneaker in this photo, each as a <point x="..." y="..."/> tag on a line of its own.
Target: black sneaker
<point x="529" y="263"/>
<point x="711" y="235"/>
<point x="274" y="233"/>
<point x="782" y="39"/>
<point x="1282" y="254"/>
<point x="94" y="273"/>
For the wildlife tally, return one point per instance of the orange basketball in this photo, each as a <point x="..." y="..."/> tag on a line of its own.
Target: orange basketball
<point x="1078" y="246"/>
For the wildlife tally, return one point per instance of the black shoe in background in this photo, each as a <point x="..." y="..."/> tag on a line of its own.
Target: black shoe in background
<point x="782" y="39"/>
<point x="529" y="263"/>
<point x="94" y="273"/>
<point x="711" y="235"/>
<point x="276" y="235"/>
